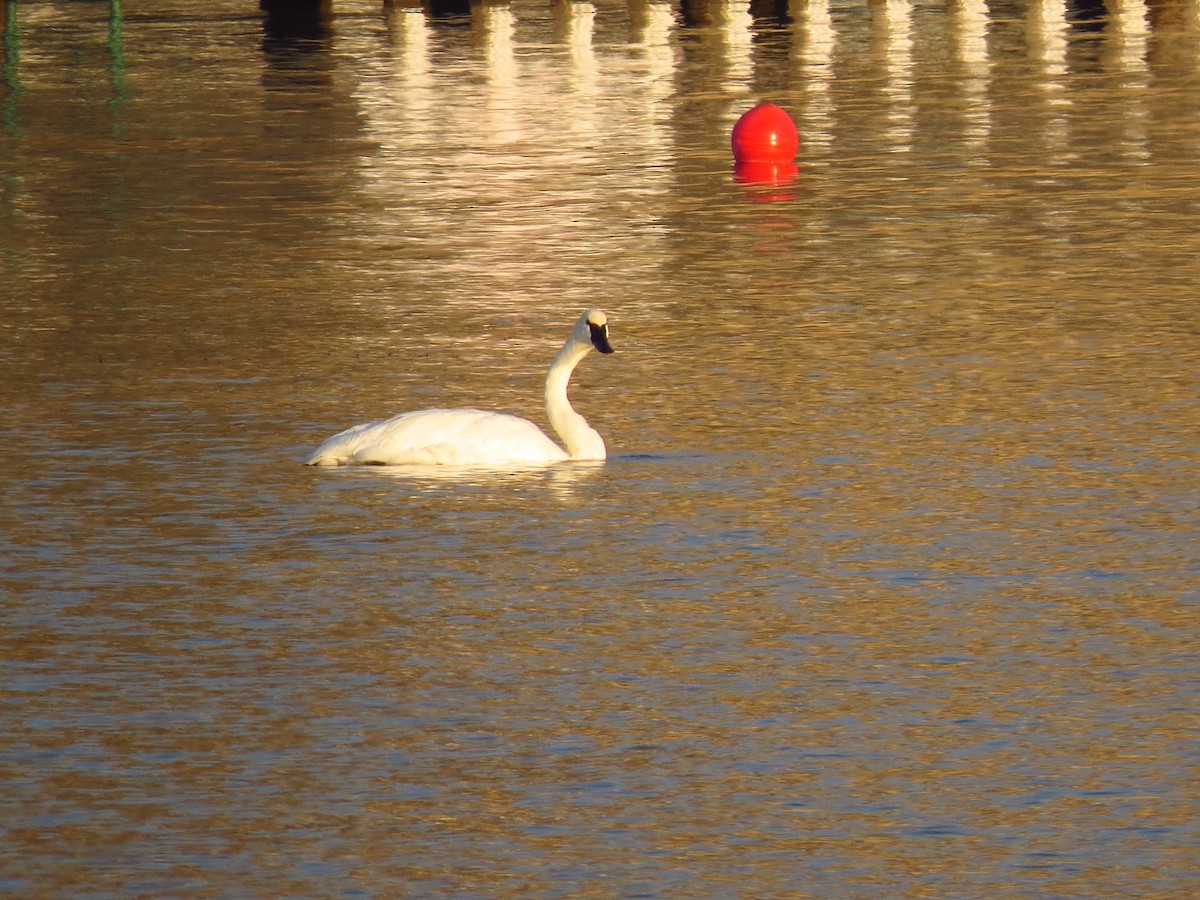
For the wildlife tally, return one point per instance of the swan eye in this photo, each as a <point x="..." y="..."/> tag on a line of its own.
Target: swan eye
<point x="600" y="337"/>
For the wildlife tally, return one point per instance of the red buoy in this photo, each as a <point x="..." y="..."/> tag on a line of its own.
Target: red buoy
<point x="765" y="134"/>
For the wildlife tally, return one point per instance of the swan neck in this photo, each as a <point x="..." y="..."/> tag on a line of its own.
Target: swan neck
<point x="582" y="441"/>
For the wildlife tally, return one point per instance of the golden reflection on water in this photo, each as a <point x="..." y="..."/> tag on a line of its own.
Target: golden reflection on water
<point x="887" y="588"/>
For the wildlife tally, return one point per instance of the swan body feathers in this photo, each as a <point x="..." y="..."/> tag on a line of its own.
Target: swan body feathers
<point x="474" y="437"/>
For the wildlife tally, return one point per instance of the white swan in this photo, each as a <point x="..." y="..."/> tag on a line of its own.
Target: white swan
<point x="473" y="437"/>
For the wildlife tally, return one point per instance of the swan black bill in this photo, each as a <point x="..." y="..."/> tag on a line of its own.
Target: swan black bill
<point x="600" y="337"/>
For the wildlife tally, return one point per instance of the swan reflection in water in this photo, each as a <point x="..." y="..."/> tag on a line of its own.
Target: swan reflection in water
<point x="473" y="438"/>
<point x="565" y="481"/>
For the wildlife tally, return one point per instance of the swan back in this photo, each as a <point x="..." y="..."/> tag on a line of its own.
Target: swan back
<point x="448" y="437"/>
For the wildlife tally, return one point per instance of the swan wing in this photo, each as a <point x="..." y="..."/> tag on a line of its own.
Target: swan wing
<point x="453" y="437"/>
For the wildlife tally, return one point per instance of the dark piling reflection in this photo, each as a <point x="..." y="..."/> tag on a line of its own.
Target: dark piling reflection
<point x="291" y="22"/>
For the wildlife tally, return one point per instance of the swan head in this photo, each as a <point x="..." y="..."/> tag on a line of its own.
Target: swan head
<point x="592" y="328"/>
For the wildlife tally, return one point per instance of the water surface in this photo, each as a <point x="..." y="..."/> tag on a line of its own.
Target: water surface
<point x="888" y="589"/>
